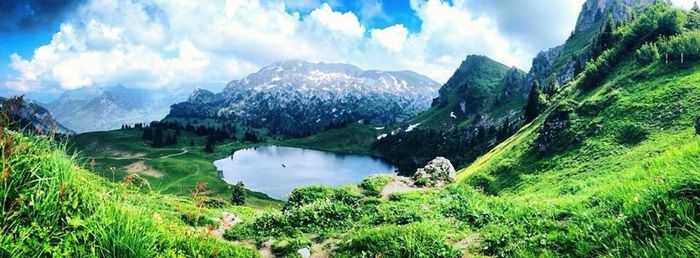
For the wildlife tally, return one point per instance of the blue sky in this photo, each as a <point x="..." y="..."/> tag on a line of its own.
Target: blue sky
<point x="49" y="46"/>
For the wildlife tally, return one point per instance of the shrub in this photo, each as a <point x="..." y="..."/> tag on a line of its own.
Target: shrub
<point x="481" y="182"/>
<point x="686" y="44"/>
<point x="196" y="220"/>
<point x="238" y="232"/>
<point x="215" y="202"/>
<point x="306" y="195"/>
<point x="399" y="214"/>
<point x="137" y="182"/>
<point x="374" y="184"/>
<point x="273" y="224"/>
<point x="647" y="54"/>
<point x="631" y="135"/>
<point x="310" y="194"/>
<point x="414" y="240"/>
<point x="323" y="215"/>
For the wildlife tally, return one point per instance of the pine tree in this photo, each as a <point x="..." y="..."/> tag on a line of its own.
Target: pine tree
<point x="209" y="144"/>
<point x="158" y="137"/>
<point x="238" y="194"/>
<point x="696" y="8"/>
<point x="532" y="107"/>
<point x="605" y="38"/>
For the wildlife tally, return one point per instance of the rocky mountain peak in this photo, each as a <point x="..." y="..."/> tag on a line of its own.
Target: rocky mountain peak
<point x="202" y="96"/>
<point x="595" y="10"/>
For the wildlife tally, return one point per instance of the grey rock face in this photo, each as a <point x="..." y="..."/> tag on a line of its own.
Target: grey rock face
<point x="594" y="10"/>
<point x="542" y="66"/>
<point x="302" y="97"/>
<point x="553" y="125"/>
<point x="436" y="173"/>
<point x="30" y="115"/>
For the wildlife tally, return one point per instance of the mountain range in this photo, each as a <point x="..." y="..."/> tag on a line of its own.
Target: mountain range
<point x="101" y="109"/>
<point x="298" y="98"/>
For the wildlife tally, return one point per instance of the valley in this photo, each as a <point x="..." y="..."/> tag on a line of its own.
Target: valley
<point x="593" y="152"/>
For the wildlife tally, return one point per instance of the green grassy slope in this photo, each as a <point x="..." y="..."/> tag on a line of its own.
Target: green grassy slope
<point x="623" y="181"/>
<point x="478" y="81"/>
<point x="53" y="208"/>
<point x="352" y="138"/>
<point x="170" y="170"/>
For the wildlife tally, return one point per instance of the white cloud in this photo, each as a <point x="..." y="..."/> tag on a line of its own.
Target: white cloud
<point x="167" y="43"/>
<point x="343" y="22"/>
<point x="393" y="37"/>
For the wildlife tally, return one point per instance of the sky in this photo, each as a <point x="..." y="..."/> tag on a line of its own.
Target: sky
<point x="48" y="46"/>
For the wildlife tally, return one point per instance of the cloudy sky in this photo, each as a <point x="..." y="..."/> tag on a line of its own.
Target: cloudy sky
<point x="47" y="46"/>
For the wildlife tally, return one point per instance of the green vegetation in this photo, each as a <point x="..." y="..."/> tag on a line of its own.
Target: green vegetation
<point x="373" y="185"/>
<point x="352" y="138"/>
<point x="175" y="169"/>
<point x="611" y="167"/>
<point x="52" y="208"/>
<point x="534" y="103"/>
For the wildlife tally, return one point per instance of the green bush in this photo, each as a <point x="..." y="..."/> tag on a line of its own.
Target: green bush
<point x="215" y="202"/>
<point x="309" y="194"/>
<point x="414" y="240"/>
<point x="305" y="195"/>
<point x="137" y="182"/>
<point x="481" y="182"/>
<point x="195" y="219"/>
<point x="272" y="224"/>
<point x="323" y="215"/>
<point x="238" y="232"/>
<point x="399" y="214"/>
<point x="647" y="54"/>
<point x="374" y="184"/>
<point x="686" y="44"/>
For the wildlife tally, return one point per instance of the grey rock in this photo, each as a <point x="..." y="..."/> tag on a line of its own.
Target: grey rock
<point x="436" y="173"/>
<point x="33" y="116"/>
<point x="304" y="252"/>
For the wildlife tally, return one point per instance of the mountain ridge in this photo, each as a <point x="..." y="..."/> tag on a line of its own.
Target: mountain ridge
<point x="297" y="97"/>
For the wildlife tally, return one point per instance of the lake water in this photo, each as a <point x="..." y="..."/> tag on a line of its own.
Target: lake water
<point x="277" y="170"/>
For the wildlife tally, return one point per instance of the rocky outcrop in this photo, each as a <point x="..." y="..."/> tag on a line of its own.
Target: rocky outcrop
<point x="203" y="96"/>
<point x="436" y="173"/>
<point x="542" y="67"/>
<point x="554" y="124"/>
<point x="29" y="115"/>
<point x="512" y="83"/>
<point x="620" y="10"/>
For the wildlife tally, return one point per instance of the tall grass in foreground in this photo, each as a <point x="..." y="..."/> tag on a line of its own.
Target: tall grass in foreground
<point x="52" y="208"/>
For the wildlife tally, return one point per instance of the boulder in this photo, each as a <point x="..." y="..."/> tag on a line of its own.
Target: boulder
<point x="304" y="252"/>
<point x="436" y="173"/>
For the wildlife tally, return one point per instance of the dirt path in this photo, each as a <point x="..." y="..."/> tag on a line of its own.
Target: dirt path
<point x="397" y="185"/>
<point x="184" y="151"/>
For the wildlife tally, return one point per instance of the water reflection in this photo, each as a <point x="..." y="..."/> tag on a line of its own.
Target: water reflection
<point x="276" y="170"/>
